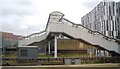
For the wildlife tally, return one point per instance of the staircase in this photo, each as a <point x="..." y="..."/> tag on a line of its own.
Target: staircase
<point x="79" y="32"/>
<point x="56" y="23"/>
<point x="35" y="37"/>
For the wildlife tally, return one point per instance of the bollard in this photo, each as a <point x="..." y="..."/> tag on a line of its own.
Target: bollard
<point x="67" y="61"/>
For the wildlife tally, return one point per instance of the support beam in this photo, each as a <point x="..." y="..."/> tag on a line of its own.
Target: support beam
<point x="90" y="52"/>
<point x="107" y="54"/>
<point x="99" y="53"/>
<point x="96" y="53"/>
<point x="49" y="47"/>
<point x="104" y="53"/>
<point x="45" y="49"/>
<point x="55" y="47"/>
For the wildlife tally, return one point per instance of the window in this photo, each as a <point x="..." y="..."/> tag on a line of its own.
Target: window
<point x="118" y="20"/>
<point x="104" y="3"/>
<point x="107" y="24"/>
<point x="119" y="10"/>
<point x="109" y="10"/>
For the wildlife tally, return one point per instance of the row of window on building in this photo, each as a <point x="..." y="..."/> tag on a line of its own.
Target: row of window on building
<point x="105" y="18"/>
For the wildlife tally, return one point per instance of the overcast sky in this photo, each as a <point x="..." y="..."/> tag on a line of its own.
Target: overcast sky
<point x="24" y="17"/>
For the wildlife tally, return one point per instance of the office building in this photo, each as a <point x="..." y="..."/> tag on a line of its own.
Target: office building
<point x="104" y="18"/>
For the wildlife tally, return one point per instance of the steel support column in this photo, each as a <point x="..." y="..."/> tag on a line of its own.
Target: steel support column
<point x="49" y="47"/>
<point x="55" y="47"/>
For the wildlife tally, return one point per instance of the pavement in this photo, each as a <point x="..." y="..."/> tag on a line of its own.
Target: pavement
<point x="82" y="66"/>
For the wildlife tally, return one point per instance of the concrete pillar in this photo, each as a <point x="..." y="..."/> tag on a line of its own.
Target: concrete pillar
<point x="3" y="52"/>
<point x="107" y="54"/>
<point x="19" y="53"/>
<point x="55" y="47"/>
<point x="100" y="53"/>
<point x="96" y="53"/>
<point x="49" y="47"/>
<point x="104" y="53"/>
<point x="45" y="48"/>
<point x="90" y="54"/>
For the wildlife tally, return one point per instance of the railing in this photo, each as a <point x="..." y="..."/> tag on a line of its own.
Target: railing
<point x="35" y="34"/>
<point x="76" y="26"/>
<point x="89" y="30"/>
<point x="59" y="61"/>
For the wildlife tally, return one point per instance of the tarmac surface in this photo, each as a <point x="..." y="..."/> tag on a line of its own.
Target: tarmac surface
<point x="82" y="66"/>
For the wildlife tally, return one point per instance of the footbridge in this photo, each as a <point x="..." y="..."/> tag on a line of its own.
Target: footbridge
<point x="57" y="24"/>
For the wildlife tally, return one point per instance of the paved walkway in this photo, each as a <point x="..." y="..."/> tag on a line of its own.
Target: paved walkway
<point x="82" y="65"/>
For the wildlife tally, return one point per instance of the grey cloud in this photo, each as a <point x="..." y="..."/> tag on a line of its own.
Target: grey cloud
<point x="90" y="4"/>
<point x="16" y="1"/>
<point x="13" y="24"/>
<point x="12" y="15"/>
<point x="15" y="28"/>
<point x="19" y="12"/>
<point x="15" y="8"/>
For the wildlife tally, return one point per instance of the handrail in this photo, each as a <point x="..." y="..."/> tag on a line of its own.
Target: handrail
<point x="106" y="37"/>
<point x="34" y="34"/>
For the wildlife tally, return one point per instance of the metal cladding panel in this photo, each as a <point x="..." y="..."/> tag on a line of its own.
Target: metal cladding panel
<point x="32" y="53"/>
<point x="104" y="18"/>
